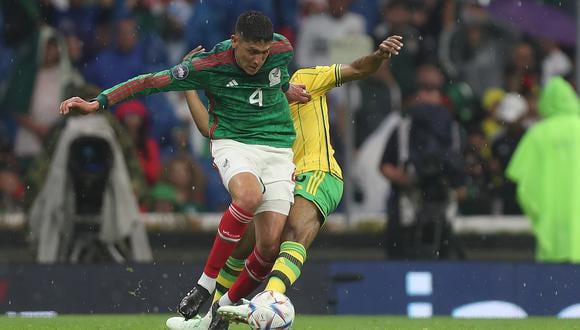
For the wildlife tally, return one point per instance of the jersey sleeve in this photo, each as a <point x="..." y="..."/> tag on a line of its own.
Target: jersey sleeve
<point x="320" y="79"/>
<point x="179" y="78"/>
<point x="283" y="49"/>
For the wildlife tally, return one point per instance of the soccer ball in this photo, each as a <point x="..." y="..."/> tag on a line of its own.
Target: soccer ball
<point x="270" y="310"/>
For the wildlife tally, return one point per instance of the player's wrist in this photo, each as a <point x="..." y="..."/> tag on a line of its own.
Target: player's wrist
<point x="100" y="102"/>
<point x="380" y="55"/>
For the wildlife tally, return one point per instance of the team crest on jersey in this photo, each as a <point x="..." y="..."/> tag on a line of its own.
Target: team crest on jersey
<point x="180" y="71"/>
<point x="275" y="76"/>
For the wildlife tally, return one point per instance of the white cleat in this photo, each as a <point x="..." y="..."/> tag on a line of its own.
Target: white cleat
<point x="180" y="323"/>
<point x="235" y="313"/>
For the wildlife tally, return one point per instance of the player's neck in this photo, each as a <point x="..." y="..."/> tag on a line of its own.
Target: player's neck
<point x="236" y="61"/>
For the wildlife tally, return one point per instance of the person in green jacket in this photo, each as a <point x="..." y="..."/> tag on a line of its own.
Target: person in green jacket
<point x="546" y="169"/>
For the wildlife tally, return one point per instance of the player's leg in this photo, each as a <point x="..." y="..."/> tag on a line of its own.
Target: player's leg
<point x="258" y="265"/>
<point x="313" y="202"/>
<point x="316" y="196"/>
<point x="306" y="222"/>
<point x="235" y="263"/>
<point x="224" y="281"/>
<point x="269" y="222"/>
<point x="239" y="173"/>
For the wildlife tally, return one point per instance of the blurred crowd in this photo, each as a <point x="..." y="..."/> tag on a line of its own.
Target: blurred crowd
<point x="457" y="53"/>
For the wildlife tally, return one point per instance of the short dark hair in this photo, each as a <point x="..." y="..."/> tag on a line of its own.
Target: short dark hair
<point x="254" y="26"/>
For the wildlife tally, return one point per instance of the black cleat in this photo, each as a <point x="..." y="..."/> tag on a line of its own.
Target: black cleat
<point x="192" y="302"/>
<point x="218" y="322"/>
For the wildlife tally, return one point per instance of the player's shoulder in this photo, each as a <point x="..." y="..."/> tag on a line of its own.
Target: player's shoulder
<point x="316" y="69"/>
<point x="280" y="45"/>
<point x="310" y="73"/>
<point x="220" y="54"/>
<point x="318" y="79"/>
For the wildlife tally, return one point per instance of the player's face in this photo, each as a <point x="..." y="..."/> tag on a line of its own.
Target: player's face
<point x="250" y="55"/>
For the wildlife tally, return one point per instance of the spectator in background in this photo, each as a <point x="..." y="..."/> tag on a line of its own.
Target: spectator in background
<point x="510" y="113"/>
<point x="318" y="31"/>
<point x="522" y="70"/>
<point x="134" y="116"/>
<point x="422" y="161"/>
<point x="473" y="50"/>
<point x="546" y="169"/>
<point x="556" y="62"/>
<point x="41" y="166"/>
<point x="429" y="17"/>
<point x="121" y="61"/>
<point x="53" y="81"/>
<point x="177" y="14"/>
<point x="186" y="177"/>
<point x="489" y="102"/>
<point x="397" y="20"/>
<point x="131" y="55"/>
<point x="313" y="47"/>
<point x="162" y="199"/>
<point x="478" y="186"/>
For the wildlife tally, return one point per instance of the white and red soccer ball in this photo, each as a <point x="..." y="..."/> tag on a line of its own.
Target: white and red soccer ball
<point x="270" y="310"/>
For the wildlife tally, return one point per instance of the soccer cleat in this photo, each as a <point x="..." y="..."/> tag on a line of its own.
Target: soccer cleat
<point x="237" y="313"/>
<point x="217" y="321"/>
<point x="191" y="303"/>
<point x="180" y="323"/>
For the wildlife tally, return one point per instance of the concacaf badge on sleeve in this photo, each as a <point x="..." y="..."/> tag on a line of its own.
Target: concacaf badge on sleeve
<point x="180" y="71"/>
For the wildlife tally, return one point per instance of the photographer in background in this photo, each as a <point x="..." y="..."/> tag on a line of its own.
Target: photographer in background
<point x="423" y="162"/>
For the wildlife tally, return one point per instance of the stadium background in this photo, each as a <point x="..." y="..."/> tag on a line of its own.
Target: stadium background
<point x="473" y="52"/>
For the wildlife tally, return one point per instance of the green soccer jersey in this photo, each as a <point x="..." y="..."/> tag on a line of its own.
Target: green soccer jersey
<point x="250" y="109"/>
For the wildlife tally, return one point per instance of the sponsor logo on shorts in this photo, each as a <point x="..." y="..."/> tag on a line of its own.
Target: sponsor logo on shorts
<point x="300" y="178"/>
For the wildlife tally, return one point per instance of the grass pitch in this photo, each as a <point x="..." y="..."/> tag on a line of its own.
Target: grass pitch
<point x="314" y="322"/>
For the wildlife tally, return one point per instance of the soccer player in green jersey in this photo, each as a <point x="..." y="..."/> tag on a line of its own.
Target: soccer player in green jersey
<point x="319" y="177"/>
<point x="251" y="134"/>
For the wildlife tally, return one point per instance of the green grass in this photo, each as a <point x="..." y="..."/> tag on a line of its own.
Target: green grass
<point x="157" y="321"/>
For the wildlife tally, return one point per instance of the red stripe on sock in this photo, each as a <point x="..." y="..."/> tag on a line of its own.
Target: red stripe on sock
<point x="230" y="229"/>
<point x="254" y="273"/>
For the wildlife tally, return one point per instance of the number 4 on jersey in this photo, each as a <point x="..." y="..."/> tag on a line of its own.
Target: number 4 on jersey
<point x="256" y="97"/>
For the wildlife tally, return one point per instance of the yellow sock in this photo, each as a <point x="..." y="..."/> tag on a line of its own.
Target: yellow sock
<point x="287" y="267"/>
<point x="227" y="277"/>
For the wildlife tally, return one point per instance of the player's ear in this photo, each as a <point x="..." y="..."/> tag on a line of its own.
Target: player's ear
<point x="235" y="38"/>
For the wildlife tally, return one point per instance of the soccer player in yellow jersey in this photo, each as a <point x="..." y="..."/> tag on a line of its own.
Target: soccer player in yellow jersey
<point x="319" y="184"/>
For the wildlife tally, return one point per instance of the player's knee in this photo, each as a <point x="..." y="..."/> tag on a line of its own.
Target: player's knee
<point x="268" y="250"/>
<point x="302" y="233"/>
<point x="248" y="199"/>
<point x="290" y="232"/>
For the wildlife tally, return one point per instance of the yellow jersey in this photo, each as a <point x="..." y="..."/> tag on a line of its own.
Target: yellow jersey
<point x="312" y="148"/>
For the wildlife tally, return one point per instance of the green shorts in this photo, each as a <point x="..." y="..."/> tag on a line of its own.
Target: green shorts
<point x="322" y="188"/>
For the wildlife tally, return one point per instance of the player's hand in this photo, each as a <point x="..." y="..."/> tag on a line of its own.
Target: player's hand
<point x="391" y="46"/>
<point x="78" y="104"/>
<point x="297" y="93"/>
<point x="193" y="52"/>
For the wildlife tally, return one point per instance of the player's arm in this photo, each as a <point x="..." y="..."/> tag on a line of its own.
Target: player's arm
<point x="198" y="112"/>
<point x="196" y="108"/>
<point x="365" y="66"/>
<point x="179" y="78"/>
